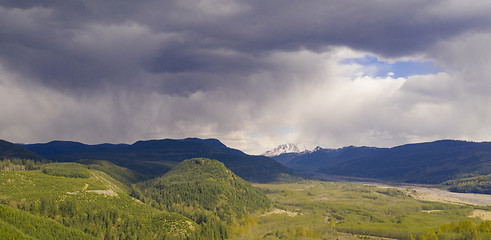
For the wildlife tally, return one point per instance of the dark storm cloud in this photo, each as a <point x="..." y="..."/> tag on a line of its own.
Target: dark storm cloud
<point x="78" y="45"/>
<point x="120" y="70"/>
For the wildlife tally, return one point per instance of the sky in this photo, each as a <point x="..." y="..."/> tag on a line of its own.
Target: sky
<point x="253" y="74"/>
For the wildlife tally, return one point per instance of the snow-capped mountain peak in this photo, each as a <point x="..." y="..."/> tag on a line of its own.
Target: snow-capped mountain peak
<point x="285" y="148"/>
<point x="318" y="148"/>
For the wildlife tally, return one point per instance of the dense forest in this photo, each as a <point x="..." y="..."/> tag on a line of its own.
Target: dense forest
<point x="87" y="200"/>
<point x="477" y="184"/>
<point x="203" y="184"/>
<point x="96" y="205"/>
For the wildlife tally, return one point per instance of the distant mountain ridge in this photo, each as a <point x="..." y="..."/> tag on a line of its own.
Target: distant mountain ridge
<point x="430" y="162"/>
<point x="156" y="157"/>
<point x="319" y="158"/>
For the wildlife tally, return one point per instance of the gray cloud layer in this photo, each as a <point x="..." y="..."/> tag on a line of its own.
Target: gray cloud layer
<point x="242" y="71"/>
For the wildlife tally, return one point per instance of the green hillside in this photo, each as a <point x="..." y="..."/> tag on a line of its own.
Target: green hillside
<point x="205" y="191"/>
<point x="208" y="184"/>
<point x="71" y="170"/>
<point x="198" y="199"/>
<point x="97" y="205"/>
<point x="18" y="224"/>
<point x="124" y="175"/>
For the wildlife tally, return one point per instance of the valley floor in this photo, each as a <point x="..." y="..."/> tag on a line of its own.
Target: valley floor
<point x="420" y="191"/>
<point x="344" y="210"/>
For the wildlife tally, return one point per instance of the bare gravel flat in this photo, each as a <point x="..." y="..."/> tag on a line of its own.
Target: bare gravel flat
<point x="439" y="195"/>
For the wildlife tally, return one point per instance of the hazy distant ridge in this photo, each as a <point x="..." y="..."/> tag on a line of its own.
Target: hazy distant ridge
<point x="156" y="157"/>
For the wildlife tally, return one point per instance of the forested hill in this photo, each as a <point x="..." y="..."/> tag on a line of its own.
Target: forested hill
<point x="156" y="157"/>
<point x="430" y="162"/>
<point x="9" y="150"/>
<point x="73" y="201"/>
<point x="204" y="184"/>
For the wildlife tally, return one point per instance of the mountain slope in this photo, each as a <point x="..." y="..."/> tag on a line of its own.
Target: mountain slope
<point x="320" y="158"/>
<point x="9" y="150"/>
<point x="431" y="162"/>
<point x="205" y="184"/>
<point x="156" y="157"/>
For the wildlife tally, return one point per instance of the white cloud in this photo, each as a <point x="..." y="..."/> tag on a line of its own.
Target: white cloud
<point x="321" y="100"/>
<point x="233" y="71"/>
<point x="336" y="105"/>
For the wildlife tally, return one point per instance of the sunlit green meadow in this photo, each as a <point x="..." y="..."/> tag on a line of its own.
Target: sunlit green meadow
<point x="329" y="210"/>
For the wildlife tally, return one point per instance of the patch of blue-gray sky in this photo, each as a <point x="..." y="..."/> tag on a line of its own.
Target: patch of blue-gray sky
<point x="403" y="68"/>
